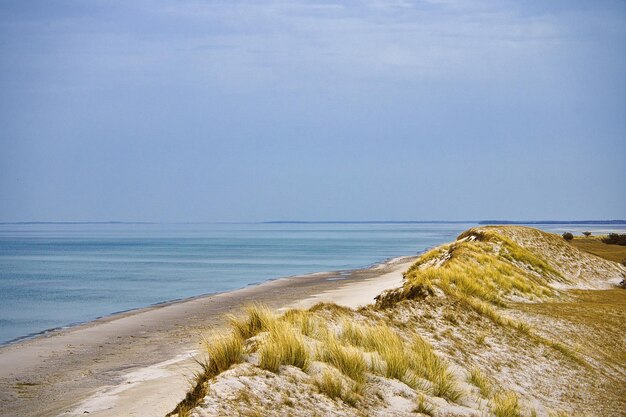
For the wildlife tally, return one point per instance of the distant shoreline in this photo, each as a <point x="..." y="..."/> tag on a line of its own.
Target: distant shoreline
<point x="575" y="222"/>
<point x="480" y="222"/>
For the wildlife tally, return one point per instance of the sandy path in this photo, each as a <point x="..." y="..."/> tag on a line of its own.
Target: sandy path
<point x="138" y="363"/>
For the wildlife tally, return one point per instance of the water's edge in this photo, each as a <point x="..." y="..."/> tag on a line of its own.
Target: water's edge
<point x="129" y="312"/>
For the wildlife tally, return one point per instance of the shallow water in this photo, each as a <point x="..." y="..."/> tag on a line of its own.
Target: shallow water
<point x="57" y="275"/>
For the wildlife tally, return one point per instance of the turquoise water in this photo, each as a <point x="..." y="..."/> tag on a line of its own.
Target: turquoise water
<point x="58" y="275"/>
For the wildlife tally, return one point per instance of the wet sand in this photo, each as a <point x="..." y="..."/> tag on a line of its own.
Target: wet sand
<point x="138" y="363"/>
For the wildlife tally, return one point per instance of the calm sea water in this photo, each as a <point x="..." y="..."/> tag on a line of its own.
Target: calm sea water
<point x="58" y="275"/>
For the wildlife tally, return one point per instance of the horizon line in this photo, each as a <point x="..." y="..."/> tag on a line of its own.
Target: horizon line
<point x="481" y="222"/>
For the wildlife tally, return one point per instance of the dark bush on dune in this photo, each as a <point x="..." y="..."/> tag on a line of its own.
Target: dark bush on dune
<point x="568" y="236"/>
<point x="615" y="239"/>
<point x="587" y="234"/>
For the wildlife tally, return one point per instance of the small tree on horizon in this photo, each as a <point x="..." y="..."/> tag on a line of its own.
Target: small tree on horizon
<point x="587" y="234"/>
<point x="568" y="236"/>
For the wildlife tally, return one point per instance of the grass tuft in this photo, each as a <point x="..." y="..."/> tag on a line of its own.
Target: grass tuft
<point x="383" y="340"/>
<point x="283" y="346"/>
<point x="329" y="384"/>
<point x="423" y="407"/>
<point x="480" y="380"/>
<point x="348" y="359"/>
<point x="428" y="365"/>
<point x="224" y="351"/>
<point x="302" y="320"/>
<point x="333" y="308"/>
<point x="505" y="404"/>
<point x="258" y="318"/>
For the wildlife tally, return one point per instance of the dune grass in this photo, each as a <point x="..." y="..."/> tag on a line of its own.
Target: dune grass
<point x="223" y="350"/>
<point x="258" y="318"/>
<point x="383" y="340"/>
<point x="302" y="320"/>
<point x="481" y="274"/>
<point x="505" y="404"/>
<point x="426" y="363"/>
<point x="514" y="252"/>
<point x="283" y="346"/>
<point x="331" y="384"/>
<point x="334" y="309"/>
<point x="406" y="361"/>
<point x="480" y="380"/>
<point x="423" y="407"/>
<point x="348" y="359"/>
<point x="477" y="269"/>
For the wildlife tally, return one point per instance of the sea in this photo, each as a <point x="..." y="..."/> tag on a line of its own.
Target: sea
<point x="58" y="275"/>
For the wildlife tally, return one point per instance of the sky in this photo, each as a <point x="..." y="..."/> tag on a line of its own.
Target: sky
<point x="173" y="111"/>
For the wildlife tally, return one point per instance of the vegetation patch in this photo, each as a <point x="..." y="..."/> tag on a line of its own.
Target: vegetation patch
<point x="258" y="319"/>
<point x="506" y="404"/>
<point x="349" y="360"/>
<point x="485" y="285"/>
<point x="615" y="239"/>
<point x="283" y="346"/>
<point x="595" y="246"/>
<point x="479" y="379"/>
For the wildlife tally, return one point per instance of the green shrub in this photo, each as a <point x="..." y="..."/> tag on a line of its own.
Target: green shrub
<point x="568" y="236"/>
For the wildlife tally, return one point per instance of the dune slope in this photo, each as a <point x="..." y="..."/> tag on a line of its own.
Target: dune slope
<point x="505" y="321"/>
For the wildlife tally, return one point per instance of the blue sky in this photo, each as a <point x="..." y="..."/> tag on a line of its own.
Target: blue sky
<point x="264" y="110"/>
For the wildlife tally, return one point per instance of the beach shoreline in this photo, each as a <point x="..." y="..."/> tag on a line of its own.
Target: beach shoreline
<point x="119" y="364"/>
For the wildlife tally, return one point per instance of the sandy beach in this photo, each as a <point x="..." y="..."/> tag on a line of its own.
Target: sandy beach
<point x="138" y="363"/>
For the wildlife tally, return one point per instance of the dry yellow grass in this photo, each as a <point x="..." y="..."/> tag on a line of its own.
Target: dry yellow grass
<point x="302" y="320"/>
<point x="223" y="351"/>
<point x="383" y="340"/>
<point x="426" y="363"/>
<point x="478" y="378"/>
<point x="484" y="270"/>
<point x="258" y="318"/>
<point x="506" y="404"/>
<point x="348" y="359"/>
<point x="595" y="246"/>
<point x="593" y="321"/>
<point x="423" y="407"/>
<point x="329" y="384"/>
<point x="283" y="346"/>
<point x="403" y="360"/>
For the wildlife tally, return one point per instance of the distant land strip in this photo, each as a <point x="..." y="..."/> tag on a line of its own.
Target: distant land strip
<point x="481" y="222"/>
<point x="553" y="222"/>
